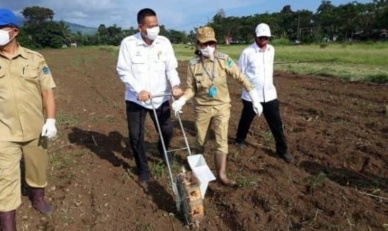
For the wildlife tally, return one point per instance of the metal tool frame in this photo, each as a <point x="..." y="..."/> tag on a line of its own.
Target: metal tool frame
<point x="174" y="187"/>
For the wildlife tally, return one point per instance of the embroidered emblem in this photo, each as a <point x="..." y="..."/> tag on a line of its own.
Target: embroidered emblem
<point x="45" y="70"/>
<point x="230" y="62"/>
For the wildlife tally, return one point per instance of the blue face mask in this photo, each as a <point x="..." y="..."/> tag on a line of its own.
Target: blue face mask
<point x="212" y="92"/>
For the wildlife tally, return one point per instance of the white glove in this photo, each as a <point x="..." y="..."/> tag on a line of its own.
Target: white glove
<point x="178" y="104"/>
<point x="49" y="128"/>
<point x="256" y="102"/>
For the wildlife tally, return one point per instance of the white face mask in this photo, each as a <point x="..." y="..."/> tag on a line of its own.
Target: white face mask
<point x="4" y="37"/>
<point x="152" y="33"/>
<point x="208" y="51"/>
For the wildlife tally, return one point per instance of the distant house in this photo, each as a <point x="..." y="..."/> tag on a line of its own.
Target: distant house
<point x="384" y="34"/>
<point x="228" y="40"/>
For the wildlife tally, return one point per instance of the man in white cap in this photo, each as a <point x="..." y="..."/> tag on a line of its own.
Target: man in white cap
<point x="256" y="62"/>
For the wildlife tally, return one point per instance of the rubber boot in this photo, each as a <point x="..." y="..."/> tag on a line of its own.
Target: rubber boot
<point x="220" y="162"/>
<point x="38" y="202"/>
<point x="8" y="221"/>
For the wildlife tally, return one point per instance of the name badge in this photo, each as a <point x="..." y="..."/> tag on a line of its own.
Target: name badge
<point x="212" y="92"/>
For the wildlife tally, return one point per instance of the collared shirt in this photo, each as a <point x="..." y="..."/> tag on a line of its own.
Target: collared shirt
<point x="257" y="65"/>
<point x="22" y="80"/>
<point x="147" y="67"/>
<point x="201" y="77"/>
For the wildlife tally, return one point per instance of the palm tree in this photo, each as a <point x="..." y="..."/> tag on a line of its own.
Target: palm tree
<point x="66" y="32"/>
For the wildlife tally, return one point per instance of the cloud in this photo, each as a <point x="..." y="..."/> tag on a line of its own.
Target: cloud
<point x="174" y="14"/>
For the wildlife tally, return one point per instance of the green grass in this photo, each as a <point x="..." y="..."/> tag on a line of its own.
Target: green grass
<point x="315" y="182"/>
<point x="354" y="62"/>
<point x="184" y="52"/>
<point x="246" y="181"/>
<point x="267" y="136"/>
<point x="348" y="61"/>
<point x="158" y="169"/>
<point x="69" y="120"/>
<point x="375" y="55"/>
<point x="60" y="162"/>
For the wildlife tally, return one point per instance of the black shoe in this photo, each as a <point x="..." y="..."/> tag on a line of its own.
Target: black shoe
<point x="145" y="186"/>
<point x="144" y="177"/>
<point x="287" y="158"/>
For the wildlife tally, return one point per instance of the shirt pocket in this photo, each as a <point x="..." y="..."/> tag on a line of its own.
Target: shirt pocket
<point x="139" y="66"/>
<point x="30" y="73"/>
<point x="198" y="81"/>
<point x="220" y="76"/>
<point x="160" y="63"/>
<point x="257" y="64"/>
<point x="202" y="82"/>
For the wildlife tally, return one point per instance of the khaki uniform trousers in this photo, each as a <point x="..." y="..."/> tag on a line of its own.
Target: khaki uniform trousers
<point x="35" y="157"/>
<point x="218" y="116"/>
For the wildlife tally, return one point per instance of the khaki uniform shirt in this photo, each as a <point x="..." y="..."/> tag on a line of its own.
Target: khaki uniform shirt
<point x="219" y="68"/>
<point x="22" y="80"/>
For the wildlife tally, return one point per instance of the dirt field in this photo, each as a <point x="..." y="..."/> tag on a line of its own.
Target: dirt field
<point x="337" y="131"/>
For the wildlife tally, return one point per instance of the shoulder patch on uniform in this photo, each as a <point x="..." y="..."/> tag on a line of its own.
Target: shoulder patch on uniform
<point x="45" y="70"/>
<point x="194" y="61"/>
<point x="229" y="62"/>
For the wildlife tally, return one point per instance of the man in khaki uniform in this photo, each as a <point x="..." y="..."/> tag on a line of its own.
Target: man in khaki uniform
<point x="26" y="90"/>
<point x="207" y="83"/>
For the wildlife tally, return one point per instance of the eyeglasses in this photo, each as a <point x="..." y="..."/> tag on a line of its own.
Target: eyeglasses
<point x="210" y="43"/>
<point x="263" y="38"/>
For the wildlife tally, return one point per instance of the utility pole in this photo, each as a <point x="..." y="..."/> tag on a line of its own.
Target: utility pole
<point x="298" y="29"/>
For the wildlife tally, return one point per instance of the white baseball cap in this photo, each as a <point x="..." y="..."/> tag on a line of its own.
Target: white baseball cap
<point x="262" y="30"/>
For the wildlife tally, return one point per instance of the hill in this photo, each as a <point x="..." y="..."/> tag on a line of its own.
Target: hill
<point x="74" y="28"/>
<point x="81" y="28"/>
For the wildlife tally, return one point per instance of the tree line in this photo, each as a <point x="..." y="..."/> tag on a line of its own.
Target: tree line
<point x="351" y="21"/>
<point x="39" y="30"/>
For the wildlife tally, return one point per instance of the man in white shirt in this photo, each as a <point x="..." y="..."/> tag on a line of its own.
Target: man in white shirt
<point x="256" y="62"/>
<point x="147" y="66"/>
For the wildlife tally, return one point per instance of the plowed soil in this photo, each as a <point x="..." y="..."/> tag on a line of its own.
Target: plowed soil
<point x="337" y="131"/>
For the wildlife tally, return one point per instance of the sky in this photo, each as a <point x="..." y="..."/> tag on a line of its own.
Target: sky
<point x="182" y="15"/>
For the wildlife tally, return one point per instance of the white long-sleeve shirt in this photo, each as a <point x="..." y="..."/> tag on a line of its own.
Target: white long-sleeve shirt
<point x="147" y="67"/>
<point x="257" y="65"/>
